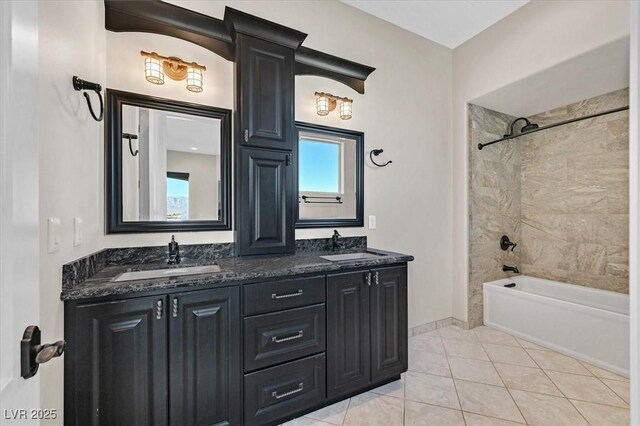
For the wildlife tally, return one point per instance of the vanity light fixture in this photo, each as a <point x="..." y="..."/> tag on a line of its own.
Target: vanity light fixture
<point x="326" y="102"/>
<point x="156" y="66"/>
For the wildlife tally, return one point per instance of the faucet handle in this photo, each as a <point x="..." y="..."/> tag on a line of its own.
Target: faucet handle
<point x="336" y="233"/>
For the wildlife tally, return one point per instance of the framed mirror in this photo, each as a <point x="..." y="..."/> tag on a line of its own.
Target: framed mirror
<point x="168" y="165"/>
<point x="330" y="176"/>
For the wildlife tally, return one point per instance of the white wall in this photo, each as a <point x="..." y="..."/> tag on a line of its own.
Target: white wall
<point x="634" y="213"/>
<point x="535" y="37"/>
<point x="72" y="42"/>
<point x="406" y="111"/>
<point x="203" y="182"/>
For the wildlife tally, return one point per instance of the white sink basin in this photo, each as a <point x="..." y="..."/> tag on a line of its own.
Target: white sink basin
<point x="350" y="256"/>
<point x="163" y="273"/>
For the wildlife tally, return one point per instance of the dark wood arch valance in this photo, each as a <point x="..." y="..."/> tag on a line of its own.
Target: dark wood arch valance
<point x="217" y="36"/>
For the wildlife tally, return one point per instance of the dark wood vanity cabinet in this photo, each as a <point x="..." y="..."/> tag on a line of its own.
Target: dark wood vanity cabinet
<point x="265" y="202"/>
<point x="265" y="137"/>
<point x="265" y="108"/>
<point x="255" y="353"/>
<point x="120" y="353"/>
<point x="366" y="328"/>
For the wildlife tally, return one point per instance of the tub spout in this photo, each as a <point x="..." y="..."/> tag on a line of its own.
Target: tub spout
<point x="513" y="269"/>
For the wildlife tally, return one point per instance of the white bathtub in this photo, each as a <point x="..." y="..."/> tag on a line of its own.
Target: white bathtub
<point x="588" y="324"/>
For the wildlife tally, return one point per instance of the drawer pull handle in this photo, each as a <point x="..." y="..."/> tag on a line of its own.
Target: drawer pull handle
<point x="286" y="296"/>
<point x="277" y="339"/>
<point x="276" y="395"/>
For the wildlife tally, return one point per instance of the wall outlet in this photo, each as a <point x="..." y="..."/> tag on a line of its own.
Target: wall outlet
<point x="372" y="222"/>
<point x="77" y="231"/>
<point x="53" y="234"/>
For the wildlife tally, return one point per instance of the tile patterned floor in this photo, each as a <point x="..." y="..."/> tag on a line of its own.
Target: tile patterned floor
<point x="484" y="377"/>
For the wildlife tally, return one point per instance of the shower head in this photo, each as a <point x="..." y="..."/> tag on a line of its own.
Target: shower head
<point x="528" y="126"/>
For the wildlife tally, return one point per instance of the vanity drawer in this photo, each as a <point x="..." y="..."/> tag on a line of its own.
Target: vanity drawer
<point x="284" y="390"/>
<point x="282" y="336"/>
<point x="273" y="296"/>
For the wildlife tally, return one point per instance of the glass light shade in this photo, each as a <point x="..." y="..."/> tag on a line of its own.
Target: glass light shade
<point x="194" y="80"/>
<point x="153" y="71"/>
<point x="322" y="105"/>
<point x="346" y="109"/>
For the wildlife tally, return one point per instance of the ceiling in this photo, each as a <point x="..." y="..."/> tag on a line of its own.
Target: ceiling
<point x="192" y="133"/>
<point x="596" y="72"/>
<point x="448" y="22"/>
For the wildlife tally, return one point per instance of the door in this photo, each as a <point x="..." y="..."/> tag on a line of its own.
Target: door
<point x="265" y="202"/>
<point x="120" y="363"/>
<point x="348" y="354"/>
<point x="266" y="93"/>
<point x="19" y="222"/>
<point x="388" y="322"/>
<point x="204" y="356"/>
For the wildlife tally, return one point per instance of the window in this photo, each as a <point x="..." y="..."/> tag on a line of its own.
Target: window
<point x="177" y="196"/>
<point x="320" y="166"/>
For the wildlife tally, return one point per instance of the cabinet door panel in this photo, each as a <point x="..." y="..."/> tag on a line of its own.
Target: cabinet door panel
<point x="388" y="322"/>
<point x="121" y="363"/>
<point x="348" y="351"/>
<point x="266" y="210"/>
<point x="204" y="352"/>
<point x="266" y="107"/>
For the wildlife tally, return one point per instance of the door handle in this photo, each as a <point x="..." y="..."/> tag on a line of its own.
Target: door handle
<point x="175" y="307"/>
<point x="32" y="353"/>
<point x="368" y="278"/>
<point x="377" y="278"/>
<point x="289" y="159"/>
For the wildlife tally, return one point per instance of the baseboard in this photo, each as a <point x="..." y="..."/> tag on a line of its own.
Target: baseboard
<point x="434" y="325"/>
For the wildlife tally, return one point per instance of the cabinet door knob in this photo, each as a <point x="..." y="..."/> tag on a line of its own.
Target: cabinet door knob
<point x="159" y="309"/>
<point x="246" y="135"/>
<point x="377" y="278"/>
<point x="368" y="278"/>
<point x="175" y="307"/>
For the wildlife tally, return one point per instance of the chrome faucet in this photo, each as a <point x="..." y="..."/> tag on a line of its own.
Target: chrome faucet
<point x="335" y="243"/>
<point x="513" y="269"/>
<point x="174" y="252"/>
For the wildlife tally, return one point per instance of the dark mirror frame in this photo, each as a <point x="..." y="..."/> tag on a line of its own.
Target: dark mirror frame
<point x="115" y="99"/>
<point x="358" y="221"/>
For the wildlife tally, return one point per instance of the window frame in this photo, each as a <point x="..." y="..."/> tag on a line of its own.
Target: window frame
<point x="332" y="133"/>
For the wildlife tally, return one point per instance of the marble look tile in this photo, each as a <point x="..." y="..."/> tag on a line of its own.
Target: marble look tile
<point x="488" y="400"/>
<point x="591" y="258"/>
<point x="427" y="344"/>
<point x="603" y="415"/>
<point x="373" y="409"/>
<point x="546" y="410"/>
<point x="425" y="362"/>
<point x="333" y="414"/>
<point x="528" y="345"/>
<point x="620" y="388"/>
<point x="478" y="420"/>
<point x="430" y="389"/>
<point x="490" y="335"/>
<point x="585" y="388"/>
<point x="548" y="360"/>
<point x="394" y="389"/>
<point x="430" y="415"/>
<point x="527" y="379"/>
<point x="453" y="332"/>
<point x="474" y="370"/>
<point x="508" y="355"/>
<point x="464" y="349"/>
<point x="602" y="373"/>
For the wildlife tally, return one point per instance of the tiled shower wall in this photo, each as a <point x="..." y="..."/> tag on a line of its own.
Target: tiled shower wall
<point x="575" y="196"/>
<point x="494" y="196"/>
<point x="561" y="194"/>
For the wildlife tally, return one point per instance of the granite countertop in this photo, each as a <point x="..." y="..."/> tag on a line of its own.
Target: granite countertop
<point x="233" y="269"/>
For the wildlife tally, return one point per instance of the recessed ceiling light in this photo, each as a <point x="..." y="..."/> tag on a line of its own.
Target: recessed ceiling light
<point x="194" y="148"/>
